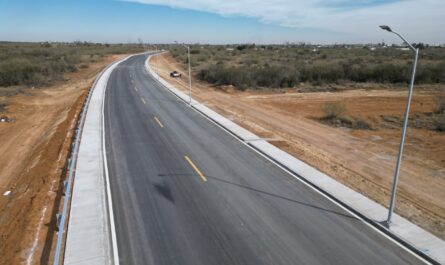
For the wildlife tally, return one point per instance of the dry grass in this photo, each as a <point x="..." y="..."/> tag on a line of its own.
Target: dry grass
<point x="334" y="115"/>
<point x="286" y="66"/>
<point x="333" y="110"/>
<point x="42" y="64"/>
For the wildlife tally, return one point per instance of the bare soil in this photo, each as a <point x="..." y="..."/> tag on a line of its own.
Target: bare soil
<point x="34" y="147"/>
<point x="361" y="159"/>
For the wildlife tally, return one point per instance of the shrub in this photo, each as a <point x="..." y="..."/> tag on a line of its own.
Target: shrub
<point x="278" y="66"/>
<point x="362" y="125"/>
<point x="244" y="46"/>
<point x="440" y="105"/>
<point x="2" y="106"/>
<point x="439" y="123"/>
<point x="338" y="120"/>
<point x="35" y="64"/>
<point x="250" y="76"/>
<point x="333" y="110"/>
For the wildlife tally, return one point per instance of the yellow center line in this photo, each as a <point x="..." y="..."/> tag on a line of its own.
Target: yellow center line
<point x="159" y="122"/>
<point x="143" y="101"/>
<point x="196" y="168"/>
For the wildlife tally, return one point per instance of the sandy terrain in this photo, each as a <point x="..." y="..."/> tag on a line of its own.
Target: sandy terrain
<point x="33" y="156"/>
<point x="361" y="159"/>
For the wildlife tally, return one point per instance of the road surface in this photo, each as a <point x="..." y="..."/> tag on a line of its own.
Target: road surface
<point x="186" y="192"/>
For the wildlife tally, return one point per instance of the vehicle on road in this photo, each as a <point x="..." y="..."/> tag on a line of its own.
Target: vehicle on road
<point x="175" y="74"/>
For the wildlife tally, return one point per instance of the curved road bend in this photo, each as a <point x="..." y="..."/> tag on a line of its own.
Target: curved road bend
<point x="186" y="192"/>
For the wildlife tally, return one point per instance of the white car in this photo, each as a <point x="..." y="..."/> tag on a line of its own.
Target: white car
<point x="175" y="74"/>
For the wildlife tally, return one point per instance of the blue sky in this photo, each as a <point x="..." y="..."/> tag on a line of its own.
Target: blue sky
<point x="221" y="21"/>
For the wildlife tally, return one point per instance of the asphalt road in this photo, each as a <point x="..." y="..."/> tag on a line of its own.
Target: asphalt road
<point x="186" y="192"/>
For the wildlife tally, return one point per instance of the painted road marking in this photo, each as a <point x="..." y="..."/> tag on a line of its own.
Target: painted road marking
<point x="143" y="101"/>
<point x="159" y="122"/>
<point x="196" y="168"/>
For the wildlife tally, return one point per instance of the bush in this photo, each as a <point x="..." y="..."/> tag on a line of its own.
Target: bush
<point x="244" y="47"/>
<point x="2" y="106"/>
<point x="439" y="122"/>
<point x="35" y="64"/>
<point x="362" y="125"/>
<point x="333" y="110"/>
<point x="440" y="105"/>
<point x="276" y="66"/>
<point x="17" y="71"/>
<point x="250" y="76"/>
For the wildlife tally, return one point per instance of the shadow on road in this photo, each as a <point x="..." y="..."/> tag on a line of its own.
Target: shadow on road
<point x="219" y="180"/>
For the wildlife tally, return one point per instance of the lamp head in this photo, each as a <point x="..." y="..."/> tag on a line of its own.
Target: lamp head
<point x="385" y="27"/>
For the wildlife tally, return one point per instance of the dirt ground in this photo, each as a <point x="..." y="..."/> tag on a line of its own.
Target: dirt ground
<point x="361" y="159"/>
<point x="34" y="148"/>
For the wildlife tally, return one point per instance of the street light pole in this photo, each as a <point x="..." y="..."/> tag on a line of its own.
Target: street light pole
<point x="190" y="75"/>
<point x="405" y="125"/>
<point x="190" y="72"/>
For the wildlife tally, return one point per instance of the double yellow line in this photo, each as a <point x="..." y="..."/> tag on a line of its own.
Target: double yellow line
<point x="196" y="168"/>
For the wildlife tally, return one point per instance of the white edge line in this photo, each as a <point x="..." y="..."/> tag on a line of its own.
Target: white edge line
<point x="295" y="175"/>
<point x="107" y="180"/>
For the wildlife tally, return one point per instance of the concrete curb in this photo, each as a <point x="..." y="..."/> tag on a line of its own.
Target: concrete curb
<point x="91" y="234"/>
<point x="403" y="232"/>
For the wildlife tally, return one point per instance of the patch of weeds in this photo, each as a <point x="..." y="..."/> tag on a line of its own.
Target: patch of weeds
<point x="432" y="121"/>
<point x="327" y="88"/>
<point x="10" y="91"/>
<point x="439" y="122"/>
<point x="334" y="116"/>
<point x="440" y="105"/>
<point x="392" y="119"/>
<point x="347" y="122"/>
<point x="333" y="110"/>
<point x="36" y="64"/>
<point x="2" y="106"/>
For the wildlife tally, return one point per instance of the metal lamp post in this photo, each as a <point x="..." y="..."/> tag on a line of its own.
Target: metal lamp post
<point x="405" y="124"/>
<point x="190" y="72"/>
<point x="190" y="75"/>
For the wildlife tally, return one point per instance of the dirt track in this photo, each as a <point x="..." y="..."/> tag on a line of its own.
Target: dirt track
<point x="33" y="153"/>
<point x="361" y="159"/>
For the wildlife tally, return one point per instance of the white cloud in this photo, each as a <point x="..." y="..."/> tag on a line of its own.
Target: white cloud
<point x="420" y="20"/>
